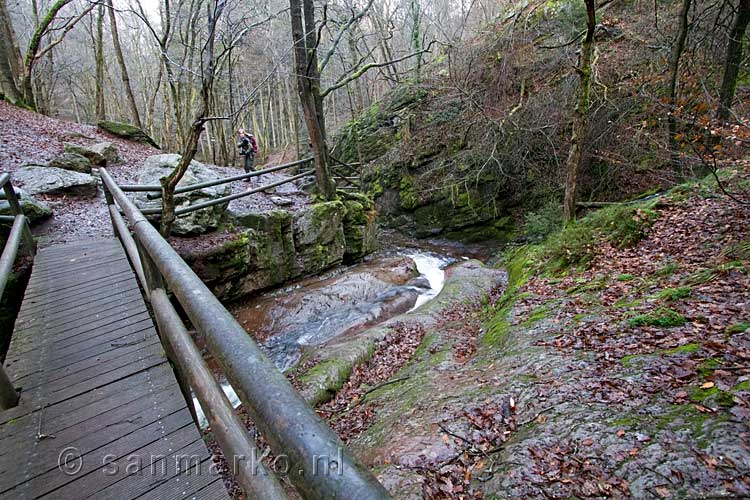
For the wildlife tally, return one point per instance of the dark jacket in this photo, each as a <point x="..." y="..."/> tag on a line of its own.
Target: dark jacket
<point x="247" y="145"/>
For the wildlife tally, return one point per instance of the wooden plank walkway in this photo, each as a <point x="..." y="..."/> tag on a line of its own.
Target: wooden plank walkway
<point x="101" y="413"/>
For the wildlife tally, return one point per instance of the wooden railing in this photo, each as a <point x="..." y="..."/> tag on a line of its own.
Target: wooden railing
<point x="319" y="465"/>
<point x="19" y="232"/>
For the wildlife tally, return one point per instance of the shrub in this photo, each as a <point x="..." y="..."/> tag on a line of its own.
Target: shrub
<point x="575" y="245"/>
<point x="541" y="223"/>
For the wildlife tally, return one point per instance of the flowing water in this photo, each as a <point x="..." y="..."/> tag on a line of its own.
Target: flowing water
<point x="314" y="311"/>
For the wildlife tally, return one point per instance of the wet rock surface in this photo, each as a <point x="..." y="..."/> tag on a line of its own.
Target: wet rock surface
<point x="313" y="311"/>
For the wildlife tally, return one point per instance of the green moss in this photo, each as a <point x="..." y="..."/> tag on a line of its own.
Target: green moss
<point x="662" y="317"/>
<point x="339" y="368"/>
<point x="629" y="360"/>
<point x="687" y="417"/>
<point x="537" y="315"/>
<point x="408" y="198"/>
<point x="708" y="366"/>
<point x="625" y="277"/>
<point x="627" y="421"/>
<point x="627" y="302"/>
<point x="712" y="396"/>
<point x="742" y="386"/>
<point x="127" y="131"/>
<point x="672" y="294"/>
<point x="594" y="285"/>
<point x="683" y="349"/>
<point x="738" y="328"/>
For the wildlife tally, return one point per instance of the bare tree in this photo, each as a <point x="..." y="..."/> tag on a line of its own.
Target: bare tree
<point x="580" y="114"/>
<point x="733" y="59"/>
<point x="305" y="39"/>
<point x="134" y="115"/>
<point x="34" y="52"/>
<point x="10" y="57"/>
<point x="208" y="68"/>
<point x="99" y="50"/>
<point x="673" y="75"/>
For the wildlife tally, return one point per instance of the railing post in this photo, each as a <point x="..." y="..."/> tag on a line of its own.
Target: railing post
<point x="15" y="207"/>
<point x="8" y="394"/>
<point x="150" y="271"/>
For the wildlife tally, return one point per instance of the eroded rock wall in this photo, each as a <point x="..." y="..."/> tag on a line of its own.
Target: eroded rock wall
<point x="425" y="172"/>
<point x="269" y="248"/>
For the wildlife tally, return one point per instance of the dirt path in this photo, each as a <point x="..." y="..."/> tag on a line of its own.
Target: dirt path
<point x="27" y="137"/>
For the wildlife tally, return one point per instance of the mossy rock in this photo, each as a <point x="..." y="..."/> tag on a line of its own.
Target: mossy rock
<point x="127" y="131"/>
<point x="94" y="157"/>
<point x="74" y="162"/>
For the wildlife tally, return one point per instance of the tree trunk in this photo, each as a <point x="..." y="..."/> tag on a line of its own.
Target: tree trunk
<point x="99" y="98"/>
<point x="208" y="66"/>
<point x="673" y="76"/>
<point x="580" y="114"/>
<point x="416" y="36"/>
<point x="27" y="83"/>
<point x="308" y="87"/>
<point x="134" y="115"/>
<point x="733" y="60"/>
<point x="10" y="57"/>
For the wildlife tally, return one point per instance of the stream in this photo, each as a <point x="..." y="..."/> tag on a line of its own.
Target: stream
<point x="311" y="312"/>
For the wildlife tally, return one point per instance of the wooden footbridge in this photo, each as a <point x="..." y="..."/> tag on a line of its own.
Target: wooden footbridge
<point x="97" y="385"/>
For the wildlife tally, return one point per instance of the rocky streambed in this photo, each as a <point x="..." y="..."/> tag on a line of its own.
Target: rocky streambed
<point x="300" y="319"/>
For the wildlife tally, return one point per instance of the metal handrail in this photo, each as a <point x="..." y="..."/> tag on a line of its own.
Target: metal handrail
<point x="155" y="188"/>
<point x="288" y="423"/>
<point x="20" y="231"/>
<point x="228" y="198"/>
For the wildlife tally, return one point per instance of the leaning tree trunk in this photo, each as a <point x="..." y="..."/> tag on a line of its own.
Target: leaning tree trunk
<point x="733" y="60"/>
<point x="580" y="114"/>
<point x="135" y="116"/>
<point x="308" y="87"/>
<point x="673" y="76"/>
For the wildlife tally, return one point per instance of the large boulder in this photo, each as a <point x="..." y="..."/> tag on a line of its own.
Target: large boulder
<point x="198" y="222"/>
<point x="33" y="209"/>
<point x="319" y="237"/>
<point x="127" y="131"/>
<point x="108" y="151"/>
<point x="94" y="157"/>
<point x="52" y="180"/>
<point x="260" y="254"/>
<point x="71" y="161"/>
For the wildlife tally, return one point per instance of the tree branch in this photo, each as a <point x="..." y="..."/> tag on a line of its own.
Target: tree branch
<point x="364" y="69"/>
<point x="341" y="33"/>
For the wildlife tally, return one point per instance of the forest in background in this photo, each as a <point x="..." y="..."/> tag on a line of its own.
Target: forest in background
<point x="140" y="61"/>
<point x="601" y="100"/>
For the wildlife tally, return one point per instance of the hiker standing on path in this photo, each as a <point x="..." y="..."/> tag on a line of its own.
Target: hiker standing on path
<point x="248" y="148"/>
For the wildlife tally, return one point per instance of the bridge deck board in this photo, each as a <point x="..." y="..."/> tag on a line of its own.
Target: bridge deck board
<point x="94" y="377"/>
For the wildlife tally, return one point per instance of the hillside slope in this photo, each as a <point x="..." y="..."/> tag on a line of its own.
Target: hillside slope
<point x="616" y="363"/>
<point x="479" y="145"/>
